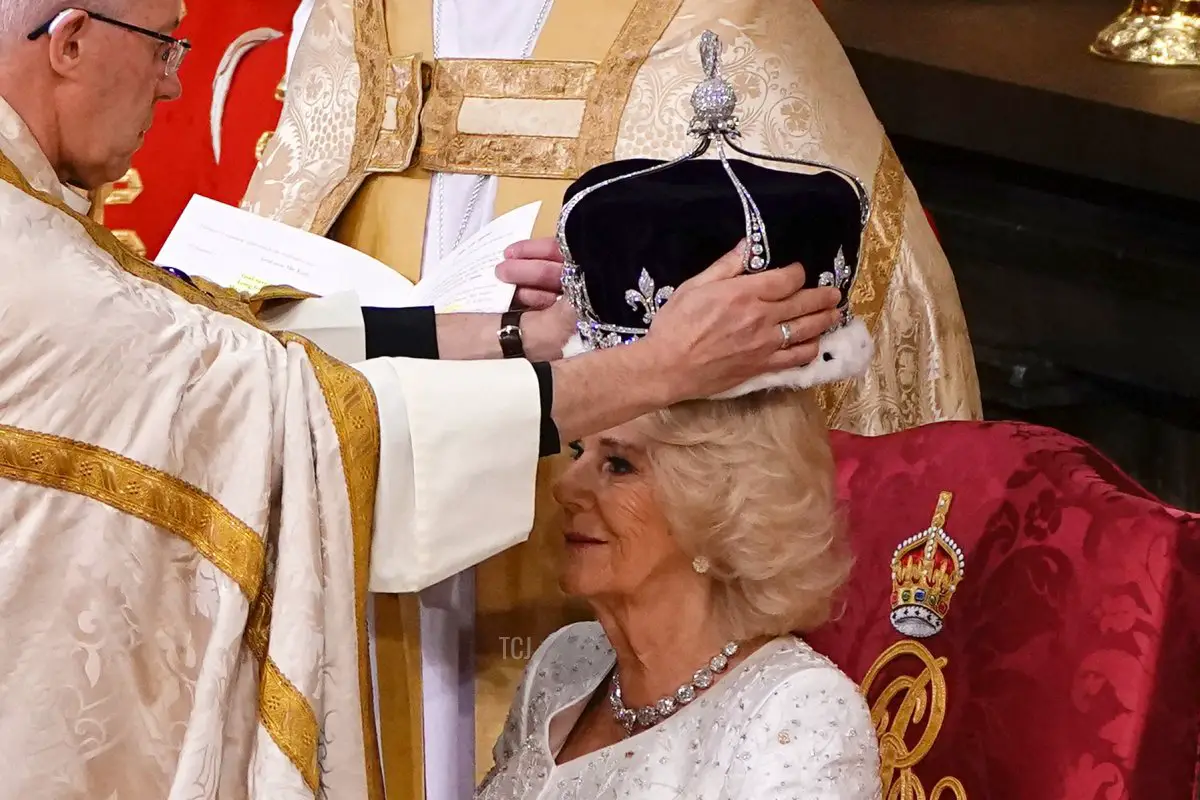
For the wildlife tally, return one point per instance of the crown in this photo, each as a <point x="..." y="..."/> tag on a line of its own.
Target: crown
<point x="631" y="231"/>
<point x="926" y="568"/>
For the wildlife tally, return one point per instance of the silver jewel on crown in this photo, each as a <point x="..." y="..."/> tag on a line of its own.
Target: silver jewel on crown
<point x="714" y="122"/>
<point x="648" y="716"/>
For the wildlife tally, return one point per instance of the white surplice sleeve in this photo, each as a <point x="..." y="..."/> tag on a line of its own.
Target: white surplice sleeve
<point x="334" y="324"/>
<point x="811" y="738"/>
<point x="458" y="465"/>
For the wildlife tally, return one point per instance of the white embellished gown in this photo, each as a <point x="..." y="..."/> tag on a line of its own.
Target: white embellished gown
<point x="784" y="723"/>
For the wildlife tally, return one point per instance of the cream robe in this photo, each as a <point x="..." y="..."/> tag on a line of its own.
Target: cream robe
<point x="187" y="506"/>
<point x="607" y="80"/>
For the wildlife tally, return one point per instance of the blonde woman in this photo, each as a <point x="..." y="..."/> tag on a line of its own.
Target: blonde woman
<point x="701" y="536"/>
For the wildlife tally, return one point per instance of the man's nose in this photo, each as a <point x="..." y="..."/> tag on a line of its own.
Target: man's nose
<point x="170" y="87"/>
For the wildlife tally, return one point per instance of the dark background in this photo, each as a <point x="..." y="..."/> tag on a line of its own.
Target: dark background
<point x="1066" y="192"/>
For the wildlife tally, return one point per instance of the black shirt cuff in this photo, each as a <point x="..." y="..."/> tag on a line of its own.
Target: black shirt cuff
<point x="549" y="443"/>
<point x="401" y="332"/>
<point x="412" y="333"/>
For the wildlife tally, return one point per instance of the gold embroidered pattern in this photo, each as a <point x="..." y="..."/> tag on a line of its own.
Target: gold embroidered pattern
<point x="355" y="413"/>
<point x="371" y="53"/>
<point x="140" y="491"/>
<point x="877" y="263"/>
<point x="125" y="190"/>
<point x="130" y="239"/>
<point x="398" y="138"/>
<point x="609" y="93"/>
<point x="605" y="87"/>
<point x="260" y="147"/>
<point x="445" y="149"/>
<point x="913" y="698"/>
<point x="290" y="720"/>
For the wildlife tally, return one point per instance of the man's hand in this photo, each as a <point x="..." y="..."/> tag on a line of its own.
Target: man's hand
<point x="723" y="328"/>
<point x="535" y="268"/>
<point x="719" y="330"/>
<point x="545" y="332"/>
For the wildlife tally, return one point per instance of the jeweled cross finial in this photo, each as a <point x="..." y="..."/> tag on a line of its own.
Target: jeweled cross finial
<point x="714" y="101"/>
<point x="710" y="53"/>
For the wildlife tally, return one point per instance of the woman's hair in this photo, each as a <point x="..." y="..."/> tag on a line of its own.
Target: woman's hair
<point x="748" y="483"/>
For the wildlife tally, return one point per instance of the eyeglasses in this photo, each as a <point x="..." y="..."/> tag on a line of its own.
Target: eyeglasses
<point x="172" y="55"/>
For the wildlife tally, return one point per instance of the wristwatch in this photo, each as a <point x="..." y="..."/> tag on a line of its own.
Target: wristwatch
<point x="510" y="335"/>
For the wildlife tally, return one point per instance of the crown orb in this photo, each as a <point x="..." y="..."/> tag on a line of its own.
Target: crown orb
<point x="714" y="100"/>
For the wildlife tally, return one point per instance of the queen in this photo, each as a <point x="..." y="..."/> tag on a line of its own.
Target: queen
<point x="705" y="538"/>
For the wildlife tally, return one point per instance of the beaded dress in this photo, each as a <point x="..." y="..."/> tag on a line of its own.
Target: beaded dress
<point x="784" y="723"/>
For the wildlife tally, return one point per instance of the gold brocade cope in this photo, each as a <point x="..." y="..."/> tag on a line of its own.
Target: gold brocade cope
<point x="283" y="711"/>
<point x="880" y="251"/>
<point x="897" y="710"/>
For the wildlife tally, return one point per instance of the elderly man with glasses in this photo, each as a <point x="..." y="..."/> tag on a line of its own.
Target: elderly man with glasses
<point x="194" y="508"/>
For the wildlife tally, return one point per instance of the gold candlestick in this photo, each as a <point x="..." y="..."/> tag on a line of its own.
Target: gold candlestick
<point x="1160" y="32"/>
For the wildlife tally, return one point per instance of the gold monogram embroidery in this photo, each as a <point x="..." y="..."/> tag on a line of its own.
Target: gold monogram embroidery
<point x="916" y="699"/>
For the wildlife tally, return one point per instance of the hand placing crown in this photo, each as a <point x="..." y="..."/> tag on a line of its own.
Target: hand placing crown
<point x="632" y="231"/>
<point x="926" y="569"/>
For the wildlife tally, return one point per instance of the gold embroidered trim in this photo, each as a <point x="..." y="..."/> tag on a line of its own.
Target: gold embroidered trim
<point x="922" y="697"/>
<point x="401" y="124"/>
<point x="290" y="721"/>
<point x="877" y="263"/>
<point x="355" y="413"/>
<point x="140" y="491"/>
<point x="605" y="87"/>
<point x="445" y="149"/>
<point x="609" y="93"/>
<point x="130" y="239"/>
<point x="371" y="53"/>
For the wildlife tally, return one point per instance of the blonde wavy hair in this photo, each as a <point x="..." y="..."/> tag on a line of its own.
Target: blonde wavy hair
<point x="749" y="484"/>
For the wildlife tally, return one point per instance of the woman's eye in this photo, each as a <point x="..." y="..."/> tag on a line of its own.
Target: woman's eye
<point x="576" y="450"/>
<point x="618" y="466"/>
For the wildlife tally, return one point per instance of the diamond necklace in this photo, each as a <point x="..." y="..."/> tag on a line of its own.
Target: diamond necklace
<point x="649" y="716"/>
<point x="481" y="181"/>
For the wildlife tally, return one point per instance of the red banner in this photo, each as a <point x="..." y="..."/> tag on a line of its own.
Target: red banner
<point x="177" y="160"/>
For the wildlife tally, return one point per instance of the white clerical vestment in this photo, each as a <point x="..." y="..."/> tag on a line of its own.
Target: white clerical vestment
<point x="183" y="560"/>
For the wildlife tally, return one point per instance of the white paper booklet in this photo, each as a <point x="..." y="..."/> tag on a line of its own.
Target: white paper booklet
<point x="240" y="250"/>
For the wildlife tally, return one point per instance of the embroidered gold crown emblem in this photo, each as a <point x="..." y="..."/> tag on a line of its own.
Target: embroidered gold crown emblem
<point x="926" y="568"/>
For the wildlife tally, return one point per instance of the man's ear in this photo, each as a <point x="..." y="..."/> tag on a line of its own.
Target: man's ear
<point x="66" y="40"/>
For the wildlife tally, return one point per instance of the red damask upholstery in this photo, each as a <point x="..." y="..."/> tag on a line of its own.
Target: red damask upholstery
<point x="1073" y="642"/>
